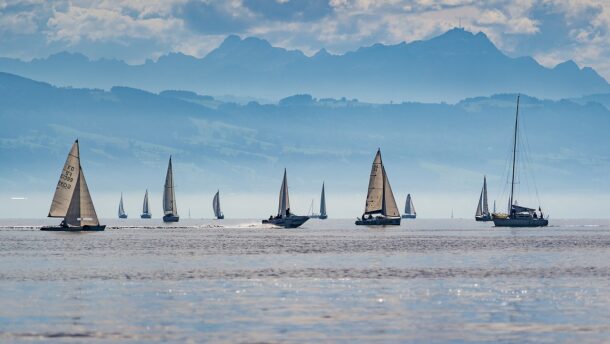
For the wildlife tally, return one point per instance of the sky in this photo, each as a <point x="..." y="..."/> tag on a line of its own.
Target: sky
<point x="551" y="31"/>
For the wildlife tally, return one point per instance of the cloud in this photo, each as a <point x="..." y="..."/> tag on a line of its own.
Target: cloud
<point x="214" y="17"/>
<point x="290" y="10"/>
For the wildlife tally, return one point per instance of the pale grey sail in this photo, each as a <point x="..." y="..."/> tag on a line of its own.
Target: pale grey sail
<point x="480" y="205"/>
<point x="374" y="197"/>
<point x="323" y="202"/>
<point x="216" y="204"/>
<point x="485" y="205"/>
<point x="390" y="207"/>
<point x="409" y="208"/>
<point x="81" y="211"/>
<point x="121" y="209"/>
<point x="145" y="205"/>
<point x="68" y="181"/>
<point x="284" y="202"/>
<point x="169" y="195"/>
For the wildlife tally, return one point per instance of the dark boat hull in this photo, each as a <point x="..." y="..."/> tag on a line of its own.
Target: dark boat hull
<point x="98" y="228"/>
<point x="525" y="222"/>
<point x="287" y="222"/>
<point x="145" y="216"/>
<point x="483" y="218"/>
<point x="171" y="218"/>
<point x="323" y="217"/>
<point x="379" y="221"/>
<point x="409" y="216"/>
<point x="122" y="216"/>
<point x="221" y="217"/>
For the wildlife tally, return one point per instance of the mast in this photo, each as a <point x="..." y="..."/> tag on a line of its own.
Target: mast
<point x="383" y="177"/>
<point x="512" y="186"/>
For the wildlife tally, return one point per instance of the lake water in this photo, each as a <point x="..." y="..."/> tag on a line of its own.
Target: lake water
<point x="234" y="281"/>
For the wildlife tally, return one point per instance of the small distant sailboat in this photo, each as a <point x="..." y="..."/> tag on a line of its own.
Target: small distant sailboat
<point x="380" y="199"/>
<point x="410" y="212"/>
<point x="170" y="210"/>
<point x="322" y="215"/>
<point x="482" y="213"/>
<point x="72" y="200"/>
<point x="518" y="216"/>
<point x="122" y="213"/>
<point x="145" y="209"/>
<point x="216" y="205"/>
<point x="284" y="217"/>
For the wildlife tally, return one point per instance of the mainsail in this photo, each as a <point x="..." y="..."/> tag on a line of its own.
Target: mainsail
<point x="145" y="209"/>
<point x="409" y="208"/>
<point x="380" y="198"/>
<point x="169" y="196"/>
<point x="284" y="203"/>
<point x="72" y="200"/>
<point x="323" y="202"/>
<point x="121" y="209"/>
<point x="216" y="204"/>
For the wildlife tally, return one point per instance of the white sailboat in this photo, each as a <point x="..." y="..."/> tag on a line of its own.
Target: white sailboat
<point x="72" y="200"/>
<point x="380" y="198"/>
<point x="518" y="216"/>
<point x="322" y="215"/>
<point x="170" y="210"/>
<point x="145" y="209"/>
<point x="216" y="205"/>
<point x="410" y="212"/>
<point x="122" y="213"/>
<point x="284" y="217"/>
<point x="483" y="213"/>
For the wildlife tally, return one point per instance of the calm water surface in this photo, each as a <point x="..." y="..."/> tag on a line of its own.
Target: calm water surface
<point x="236" y="281"/>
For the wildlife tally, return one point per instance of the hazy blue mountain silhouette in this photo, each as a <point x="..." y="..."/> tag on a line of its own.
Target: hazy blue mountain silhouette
<point x="127" y="135"/>
<point x="452" y="66"/>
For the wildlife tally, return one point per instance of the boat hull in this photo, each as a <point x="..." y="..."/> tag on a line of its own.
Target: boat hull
<point x="379" y="221"/>
<point x="171" y="218"/>
<point x="483" y="218"/>
<point x="512" y="222"/>
<point x="145" y="216"/>
<point x="122" y="216"/>
<point x="287" y="222"/>
<point x="409" y="216"/>
<point x="221" y="217"/>
<point x="98" y="228"/>
<point x="323" y="217"/>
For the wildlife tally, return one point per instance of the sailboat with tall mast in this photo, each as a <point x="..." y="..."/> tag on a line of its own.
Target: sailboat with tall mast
<point x="379" y="199"/>
<point x="322" y="215"/>
<point x="72" y="200"/>
<point x="410" y="212"/>
<point x="145" y="209"/>
<point x="170" y="210"/>
<point x="216" y="206"/>
<point x="483" y="213"/>
<point x="122" y="213"/>
<point x="518" y="216"/>
<point x="285" y="218"/>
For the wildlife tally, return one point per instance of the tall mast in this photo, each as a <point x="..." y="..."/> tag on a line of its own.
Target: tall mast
<point x="383" y="205"/>
<point x="512" y="186"/>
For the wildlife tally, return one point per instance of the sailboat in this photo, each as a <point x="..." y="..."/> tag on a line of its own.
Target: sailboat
<point x="122" y="213"/>
<point x="482" y="213"/>
<point x="322" y="215"/>
<point x="145" y="209"/>
<point x="72" y="200"/>
<point x="410" y="212"/>
<point x="216" y="205"/>
<point x="170" y="210"/>
<point x="284" y="217"/>
<point x="380" y="199"/>
<point x="518" y="216"/>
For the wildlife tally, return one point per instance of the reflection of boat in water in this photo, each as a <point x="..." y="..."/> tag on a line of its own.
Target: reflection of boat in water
<point x="322" y="215"/>
<point x="216" y="205"/>
<point x="482" y="213"/>
<point x="72" y="200"/>
<point x="518" y="216"/>
<point x="284" y="217"/>
<point x="122" y="213"/>
<point x="410" y="212"/>
<point x="145" y="209"/>
<point x="170" y="210"/>
<point x="380" y="208"/>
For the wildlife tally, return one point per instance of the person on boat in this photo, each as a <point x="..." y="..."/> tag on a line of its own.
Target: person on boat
<point x="287" y="212"/>
<point x="63" y="224"/>
<point x="270" y="217"/>
<point x="535" y="215"/>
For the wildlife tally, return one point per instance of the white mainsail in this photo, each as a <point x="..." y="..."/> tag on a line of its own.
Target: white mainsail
<point x="389" y="202"/>
<point x="409" y="208"/>
<point x="145" y="209"/>
<point x="216" y="204"/>
<point x="323" y="202"/>
<point x="374" y="202"/>
<point x="169" y="196"/>
<point x="480" y="205"/>
<point x="72" y="199"/>
<point x="121" y="209"/>
<point x="284" y="203"/>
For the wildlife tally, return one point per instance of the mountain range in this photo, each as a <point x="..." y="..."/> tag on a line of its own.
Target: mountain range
<point x="453" y="66"/>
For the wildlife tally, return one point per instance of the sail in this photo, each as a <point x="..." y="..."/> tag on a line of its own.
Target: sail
<point x="480" y="206"/>
<point x="284" y="203"/>
<point x="323" y="202"/>
<point x="169" y="196"/>
<point x="216" y="204"/>
<point x="409" y="208"/>
<point x="145" y="209"/>
<point x="389" y="202"/>
<point x="81" y="211"/>
<point x="485" y="205"/>
<point x="374" y="203"/>
<point x="68" y="181"/>
<point x="121" y="209"/>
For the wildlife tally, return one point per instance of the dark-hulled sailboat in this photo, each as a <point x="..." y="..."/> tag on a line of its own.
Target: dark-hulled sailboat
<point x="122" y="213"/>
<point x="145" y="209"/>
<point x="170" y="210"/>
<point x="285" y="218"/>
<point x="410" y="212"/>
<point x="518" y="216"/>
<point x="380" y="208"/>
<point x="483" y="213"/>
<point x="72" y="200"/>
<point x="216" y="206"/>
